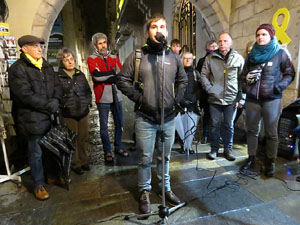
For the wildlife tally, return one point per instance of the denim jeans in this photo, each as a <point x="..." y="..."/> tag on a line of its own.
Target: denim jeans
<point x="104" y="109"/>
<point x="35" y="159"/>
<point x="146" y="132"/>
<point x="218" y="113"/>
<point x="269" y="111"/>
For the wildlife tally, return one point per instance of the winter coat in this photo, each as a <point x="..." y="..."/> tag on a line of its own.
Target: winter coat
<point x="103" y="70"/>
<point x="204" y="95"/>
<point x="192" y="92"/>
<point x="220" y="77"/>
<point x="31" y="90"/>
<point x="77" y="99"/>
<point x="276" y="75"/>
<point x="148" y="94"/>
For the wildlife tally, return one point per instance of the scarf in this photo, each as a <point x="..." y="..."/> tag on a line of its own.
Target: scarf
<point x="37" y="63"/>
<point x="263" y="53"/>
<point x="153" y="47"/>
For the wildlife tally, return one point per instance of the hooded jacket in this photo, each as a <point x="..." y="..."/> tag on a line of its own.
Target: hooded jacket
<point x="77" y="99"/>
<point x="220" y="77"/>
<point x="31" y="89"/>
<point x="103" y="70"/>
<point x="149" y="94"/>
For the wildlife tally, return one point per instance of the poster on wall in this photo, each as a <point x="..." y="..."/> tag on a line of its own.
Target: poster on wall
<point x="4" y="29"/>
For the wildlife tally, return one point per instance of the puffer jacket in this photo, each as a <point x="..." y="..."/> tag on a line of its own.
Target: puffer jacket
<point x="276" y="75"/>
<point x="220" y="77"/>
<point x="77" y="99"/>
<point x="148" y="96"/>
<point x="31" y="90"/>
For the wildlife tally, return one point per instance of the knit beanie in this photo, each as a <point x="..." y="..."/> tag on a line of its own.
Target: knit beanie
<point x="267" y="27"/>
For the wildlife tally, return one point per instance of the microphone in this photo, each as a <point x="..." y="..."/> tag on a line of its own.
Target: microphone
<point x="161" y="38"/>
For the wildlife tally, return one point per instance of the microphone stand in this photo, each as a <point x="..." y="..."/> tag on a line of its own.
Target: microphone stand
<point x="163" y="211"/>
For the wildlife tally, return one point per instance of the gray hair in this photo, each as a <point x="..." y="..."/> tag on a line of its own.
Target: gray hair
<point x="61" y="54"/>
<point x="96" y="37"/>
<point x="210" y="42"/>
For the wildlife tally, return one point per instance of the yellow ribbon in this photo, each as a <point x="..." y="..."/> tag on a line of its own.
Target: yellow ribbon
<point x="280" y="30"/>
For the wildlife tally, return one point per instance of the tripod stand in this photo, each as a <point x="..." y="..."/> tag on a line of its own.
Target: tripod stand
<point x="163" y="211"/>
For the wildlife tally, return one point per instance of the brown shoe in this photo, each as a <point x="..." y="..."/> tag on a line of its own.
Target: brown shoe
<point x="172" y="198"/>
<point x="144" y="203"/>
<point x="41" y="193"/>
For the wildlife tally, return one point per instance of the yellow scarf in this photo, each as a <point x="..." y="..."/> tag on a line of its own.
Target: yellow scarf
<point x="37" y="63"/>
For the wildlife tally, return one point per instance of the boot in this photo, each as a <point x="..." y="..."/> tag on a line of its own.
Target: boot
<point x="228" y="155"/>
<point x="249" y="164"/>
<point x="212" y="155"/>
<point x="269" y="167"/>
<point x="144" y="203"/>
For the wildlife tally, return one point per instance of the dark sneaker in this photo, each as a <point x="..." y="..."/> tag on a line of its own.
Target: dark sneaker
<point x="191" y="151"/>
<point x="228" y="155"/>
<point x="86" y="167"/>
<point x="144" y="203"/>
<point x="269" y="167"/>
<point x="78" y="170"/>
<point x="212" y="155"/>
<point x="172" y="198"/>
<point x="248" y="164"/>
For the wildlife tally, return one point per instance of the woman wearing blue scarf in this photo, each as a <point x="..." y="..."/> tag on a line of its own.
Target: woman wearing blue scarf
<point x="267" y="72"/>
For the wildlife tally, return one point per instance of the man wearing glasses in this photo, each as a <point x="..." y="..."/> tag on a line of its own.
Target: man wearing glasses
<point x="36" y="94"/>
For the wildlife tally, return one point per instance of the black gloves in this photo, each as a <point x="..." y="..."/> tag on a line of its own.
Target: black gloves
<point x="277" y="89"/>
<point x="111" y="80"/>
<point x="53" y="105"/>
<point x="186" y="103"/>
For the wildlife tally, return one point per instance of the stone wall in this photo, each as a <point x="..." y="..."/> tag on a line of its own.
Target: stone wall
<point x="247" y="15"/>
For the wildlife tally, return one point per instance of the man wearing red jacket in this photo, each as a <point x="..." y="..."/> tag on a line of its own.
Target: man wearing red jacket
<point x="103" y="68"/>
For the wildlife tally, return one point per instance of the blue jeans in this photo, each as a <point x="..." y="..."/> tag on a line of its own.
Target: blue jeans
<point x="146" y="132"/>
<point x="35" y="159"/>
<point x="104" y="109"/>
<point x="218" y="113"/>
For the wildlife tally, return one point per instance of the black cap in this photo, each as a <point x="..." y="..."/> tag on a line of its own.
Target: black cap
<point x="29" y="39"/>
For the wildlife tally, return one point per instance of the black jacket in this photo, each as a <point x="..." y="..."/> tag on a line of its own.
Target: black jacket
<point x="276" y="75"/>
<point x="148" y="96"/>
<point x="192" y="92"/>
<point x="204" y="95"/>
<point x="77" y="99"/>
<point x="31" y="90"/>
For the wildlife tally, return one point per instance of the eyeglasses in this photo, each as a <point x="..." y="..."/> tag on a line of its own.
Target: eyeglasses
<point x="71" y="59"/>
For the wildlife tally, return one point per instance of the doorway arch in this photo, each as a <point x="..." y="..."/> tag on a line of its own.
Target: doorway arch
<point x="45" y="17"/>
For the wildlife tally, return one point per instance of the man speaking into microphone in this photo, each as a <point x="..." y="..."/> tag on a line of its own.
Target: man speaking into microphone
<point x="145" y="89"/>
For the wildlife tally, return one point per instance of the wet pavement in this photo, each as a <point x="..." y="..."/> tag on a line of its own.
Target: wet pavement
<point x="214" y="191"/>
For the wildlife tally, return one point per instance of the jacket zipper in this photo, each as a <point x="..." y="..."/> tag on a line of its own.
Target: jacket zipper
<point x="257" y="93"/>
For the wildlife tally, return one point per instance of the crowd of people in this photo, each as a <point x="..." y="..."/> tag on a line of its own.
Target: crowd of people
<point x="169" y="92"/>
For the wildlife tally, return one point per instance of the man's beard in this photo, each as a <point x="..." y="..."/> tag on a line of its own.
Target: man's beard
<point x="103" y="51"/>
